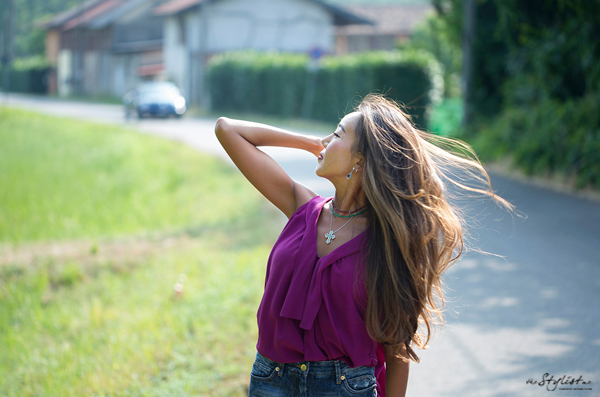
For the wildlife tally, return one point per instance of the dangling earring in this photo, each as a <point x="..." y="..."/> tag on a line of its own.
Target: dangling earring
<point x="350" y="174"/>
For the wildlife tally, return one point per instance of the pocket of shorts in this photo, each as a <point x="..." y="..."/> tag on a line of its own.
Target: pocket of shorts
<point x="360" y="384"/>
<point x="263" y="371"/>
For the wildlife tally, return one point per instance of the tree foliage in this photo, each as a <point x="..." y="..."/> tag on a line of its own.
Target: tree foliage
<point x="28" y="38"/>
<point x="536" y="85"/>
<point x="525" y="51"/>
<point x="435" y="36"/>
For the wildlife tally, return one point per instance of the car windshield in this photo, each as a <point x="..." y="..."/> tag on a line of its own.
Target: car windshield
<point x="161" y="88"/>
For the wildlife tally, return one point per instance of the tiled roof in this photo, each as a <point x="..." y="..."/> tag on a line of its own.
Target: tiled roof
<point x="87" y="16"/>
<point x="115" y="13"/>
<point x="175" y="6"/>
<point x="93" y="14"/>
<point x="342" y="16"/>
<point x="390" y="20"/>
<point x="61" y="18"/>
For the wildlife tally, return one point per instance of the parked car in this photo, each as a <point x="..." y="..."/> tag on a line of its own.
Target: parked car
<point x="155" y="98"/>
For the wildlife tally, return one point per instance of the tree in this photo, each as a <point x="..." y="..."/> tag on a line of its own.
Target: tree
<point x="548" y="47"/>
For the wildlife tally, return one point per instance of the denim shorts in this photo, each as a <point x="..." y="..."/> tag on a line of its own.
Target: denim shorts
<point x="310" y="379"/>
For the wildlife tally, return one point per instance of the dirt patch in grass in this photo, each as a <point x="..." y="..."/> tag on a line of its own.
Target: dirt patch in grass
<point x="90" y="252"/>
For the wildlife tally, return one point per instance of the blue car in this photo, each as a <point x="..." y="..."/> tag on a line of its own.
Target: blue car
<point x="155" y="98"/>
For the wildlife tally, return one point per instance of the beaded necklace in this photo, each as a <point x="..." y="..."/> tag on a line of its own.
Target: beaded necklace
<point x="348" y="216"/>
<point x="331" y="235"/>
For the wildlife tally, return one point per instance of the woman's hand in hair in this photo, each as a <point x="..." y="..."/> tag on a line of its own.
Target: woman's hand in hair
<point x="317" y="145"/>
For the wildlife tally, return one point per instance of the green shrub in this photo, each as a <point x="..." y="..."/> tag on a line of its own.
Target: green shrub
<point x="27" y="75"/>
<point x="267" y="83"/>
<point x="281" y="84"/>
<point x="549" y="136"/>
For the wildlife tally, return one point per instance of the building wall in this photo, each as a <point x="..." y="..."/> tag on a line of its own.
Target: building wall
<point x="175" y="51"/>
<point x="52" y="46"/>
<point x="64" y="70"/>
<point x="101" y="73"/>
<point x="284" y="25"/>
<point x="232" y="25"/>
<point x="360" y="43"/>
<point x="91" y="78"/>
<point x="90" y="61"/>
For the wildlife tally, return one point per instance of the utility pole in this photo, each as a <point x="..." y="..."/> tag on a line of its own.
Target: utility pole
<point x="79" y="71"/>
<point x="467" y="67"/>
<point x="9" y="20"/>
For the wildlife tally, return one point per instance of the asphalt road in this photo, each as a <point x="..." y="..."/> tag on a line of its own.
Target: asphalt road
<point x="532" y="308"/>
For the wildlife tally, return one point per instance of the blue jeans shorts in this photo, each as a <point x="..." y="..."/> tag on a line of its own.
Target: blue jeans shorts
<point x="310" y="379"/>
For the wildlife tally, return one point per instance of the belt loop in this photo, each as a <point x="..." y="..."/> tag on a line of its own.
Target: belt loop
<point x="281" y="367"/>
<point x="338" y="374"/>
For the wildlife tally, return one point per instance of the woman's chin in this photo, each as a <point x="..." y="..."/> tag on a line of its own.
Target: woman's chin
<point x="318" y="169"/>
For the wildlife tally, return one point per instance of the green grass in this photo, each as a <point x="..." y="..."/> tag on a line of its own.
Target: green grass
<point x="87" y="304"/>
<point x="64" y="179"/>
<point x="71" y="329"/>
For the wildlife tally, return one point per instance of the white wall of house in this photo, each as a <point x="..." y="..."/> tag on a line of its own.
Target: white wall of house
<point x="175" y="50"/>
<point x="124" y="72"/>
<point x="64" y="70"/>
<point x="91" y="77"/>
<point x="284" y="25"/>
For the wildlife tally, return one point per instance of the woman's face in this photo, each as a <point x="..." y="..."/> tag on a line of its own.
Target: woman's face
<point x="337" y="160"/>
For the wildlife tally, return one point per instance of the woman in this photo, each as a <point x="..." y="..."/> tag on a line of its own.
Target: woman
<point x="352" y="277"/>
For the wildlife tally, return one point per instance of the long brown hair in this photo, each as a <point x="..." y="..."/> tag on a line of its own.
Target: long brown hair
<point x="415" y="234"/>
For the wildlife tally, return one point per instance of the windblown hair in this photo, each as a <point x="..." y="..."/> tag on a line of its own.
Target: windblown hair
<point x="415" y="234"/>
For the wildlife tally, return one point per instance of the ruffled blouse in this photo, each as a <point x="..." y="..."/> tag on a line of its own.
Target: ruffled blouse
<point x="313" y="308"/>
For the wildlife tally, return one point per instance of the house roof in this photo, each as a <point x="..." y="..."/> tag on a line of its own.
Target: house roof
<point x="78" y="14"/>
<point x="176" y="6"/>
<point x="115" y="13"/>
<point x="341" y="15"/>
<point x="389" y="20"/>
<point x="93" y="14"/>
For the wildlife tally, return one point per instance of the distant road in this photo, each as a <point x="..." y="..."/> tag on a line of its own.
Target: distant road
<point x="510" y="319"/>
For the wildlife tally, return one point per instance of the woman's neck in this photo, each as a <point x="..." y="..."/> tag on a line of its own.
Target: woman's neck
<point x="350" y="198"/>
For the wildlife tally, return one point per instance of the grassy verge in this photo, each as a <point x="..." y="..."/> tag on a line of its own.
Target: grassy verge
<point x="88" y="307"/>
<point x="64" y="179"/>
<point x="114" y="327"/>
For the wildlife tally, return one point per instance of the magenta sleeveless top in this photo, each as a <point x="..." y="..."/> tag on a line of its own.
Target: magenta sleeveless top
<point x="313" y="308"/>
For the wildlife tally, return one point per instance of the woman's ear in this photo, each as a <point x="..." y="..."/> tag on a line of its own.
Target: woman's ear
<point x="359" y="164"/>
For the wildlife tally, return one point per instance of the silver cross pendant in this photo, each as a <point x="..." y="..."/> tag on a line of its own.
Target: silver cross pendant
<point x="329" y="236"/>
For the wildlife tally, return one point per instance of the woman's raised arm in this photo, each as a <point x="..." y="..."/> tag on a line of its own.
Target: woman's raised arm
<point x="240" y="140"/>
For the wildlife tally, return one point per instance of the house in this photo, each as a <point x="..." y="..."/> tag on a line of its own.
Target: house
<point x="195" y="30"/>
<point x="391" y="24"/>
<point x="104" y="47"/>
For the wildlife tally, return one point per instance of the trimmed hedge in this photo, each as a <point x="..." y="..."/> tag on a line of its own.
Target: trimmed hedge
<point x="27" y="75"/>
<point x="278" y="84"/>
<point x="30" y="81"/>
